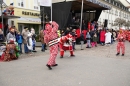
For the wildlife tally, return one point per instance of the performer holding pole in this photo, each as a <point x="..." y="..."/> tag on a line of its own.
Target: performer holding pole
<point x="51" y="38"/>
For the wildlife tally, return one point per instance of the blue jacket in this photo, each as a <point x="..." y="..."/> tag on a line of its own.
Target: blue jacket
<point x="19" y="38"/>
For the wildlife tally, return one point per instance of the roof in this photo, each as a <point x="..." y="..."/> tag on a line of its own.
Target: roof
<point x="125" y="3"/>
<point x="9" y="17"/>
<point x="90" y="5"/>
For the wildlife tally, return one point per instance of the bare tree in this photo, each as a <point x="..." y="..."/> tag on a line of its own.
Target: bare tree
<point x="127" y="24"/>
<point x="119" y="22"/>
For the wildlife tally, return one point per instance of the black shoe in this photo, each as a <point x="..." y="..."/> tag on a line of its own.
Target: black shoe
<point x="43" y="50"/>
<point x="82" y="49"/>
<point x="117" y="54"/>
<point x="54" y="65"/>
<point x="72" y="55"/>
<point x="61" y="56"/>
<point x="34" y="51"/>
<point x="49" y="67"/>
<point x="122" y="54"/>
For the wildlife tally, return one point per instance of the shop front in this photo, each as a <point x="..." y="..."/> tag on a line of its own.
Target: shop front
<point x="4" y="23"/>
<point x="28" y="18"/>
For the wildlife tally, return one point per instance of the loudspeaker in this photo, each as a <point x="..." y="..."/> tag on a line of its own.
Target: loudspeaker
<point x="105" y="23"/>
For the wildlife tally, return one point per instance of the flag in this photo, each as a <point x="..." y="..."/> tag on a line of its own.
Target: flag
<point x="46" y="3"/>
<point x="11" y="3"/>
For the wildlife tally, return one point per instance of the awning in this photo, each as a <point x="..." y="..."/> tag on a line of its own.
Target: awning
<point x="38" y="20"/>
<point x="29" y="20"/>
<point x="90" y="5"/>
<point x="9" y="17"/>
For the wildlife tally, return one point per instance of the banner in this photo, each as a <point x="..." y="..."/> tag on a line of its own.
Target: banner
<point x="46" y="3"/>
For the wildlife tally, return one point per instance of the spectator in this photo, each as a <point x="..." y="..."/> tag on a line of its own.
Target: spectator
<point x="30" y="43"/>
<point x="88" y="38"/>
<point x="33" y="38"/>
<point x="108" y="37"/>
<point x="95" y="39"/>
<point x="74" y="35"/>
<point x="41" y="38"/>
<point x="19" y="39"/>
<point x="25" y="33"/>
<point x="1" y="36"/>
<point x="11" y="34"/>
<point x="102" y="37"/>
<point x="82" y="40"/>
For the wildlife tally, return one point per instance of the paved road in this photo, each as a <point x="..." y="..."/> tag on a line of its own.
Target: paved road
<point x="91" y="67"/>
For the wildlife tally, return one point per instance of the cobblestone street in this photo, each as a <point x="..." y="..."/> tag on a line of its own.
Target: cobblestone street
<point x="98" y="66"/>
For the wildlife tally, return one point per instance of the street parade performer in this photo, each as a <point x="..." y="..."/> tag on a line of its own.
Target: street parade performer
<point x="51" y="38"/>
<point x="65" y="43"/>
<point x="121" y="39"/>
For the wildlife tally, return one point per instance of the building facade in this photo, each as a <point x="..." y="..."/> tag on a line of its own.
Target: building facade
<point x="118" y="10"/>
<point x="29" y="12"/>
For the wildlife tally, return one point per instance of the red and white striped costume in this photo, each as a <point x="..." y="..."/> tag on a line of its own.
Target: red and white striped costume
<point x="51" y="38"/>
<point x="121" y="45"/>
<point x="64" y="45"/>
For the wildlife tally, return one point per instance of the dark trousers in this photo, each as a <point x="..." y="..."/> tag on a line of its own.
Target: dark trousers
<point x="43" y="48"/>
<point x="20" y="46"/>
<point x="73" y="45"/>
<point x="26" y="48"/>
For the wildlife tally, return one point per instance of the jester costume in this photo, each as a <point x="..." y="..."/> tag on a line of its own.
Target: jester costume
<point x="121" y="45"/>
<point x="51" y="38"/>
<point x="65" y="43"/>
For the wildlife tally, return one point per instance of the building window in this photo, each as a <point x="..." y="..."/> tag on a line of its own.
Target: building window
<point x="12" y="23"/>
<point x="21" y="3"/>
<point x="111" y="11"/>
<point x="36" y="7"/>
<point x="4" y="1"/>
<point x="117" y="13"/>
<point x="36" y="4"/>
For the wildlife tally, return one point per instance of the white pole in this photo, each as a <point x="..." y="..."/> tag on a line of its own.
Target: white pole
<point x="51" y="11"/>
<point x="81" y="16"/>
<point x="43" y="19"/>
